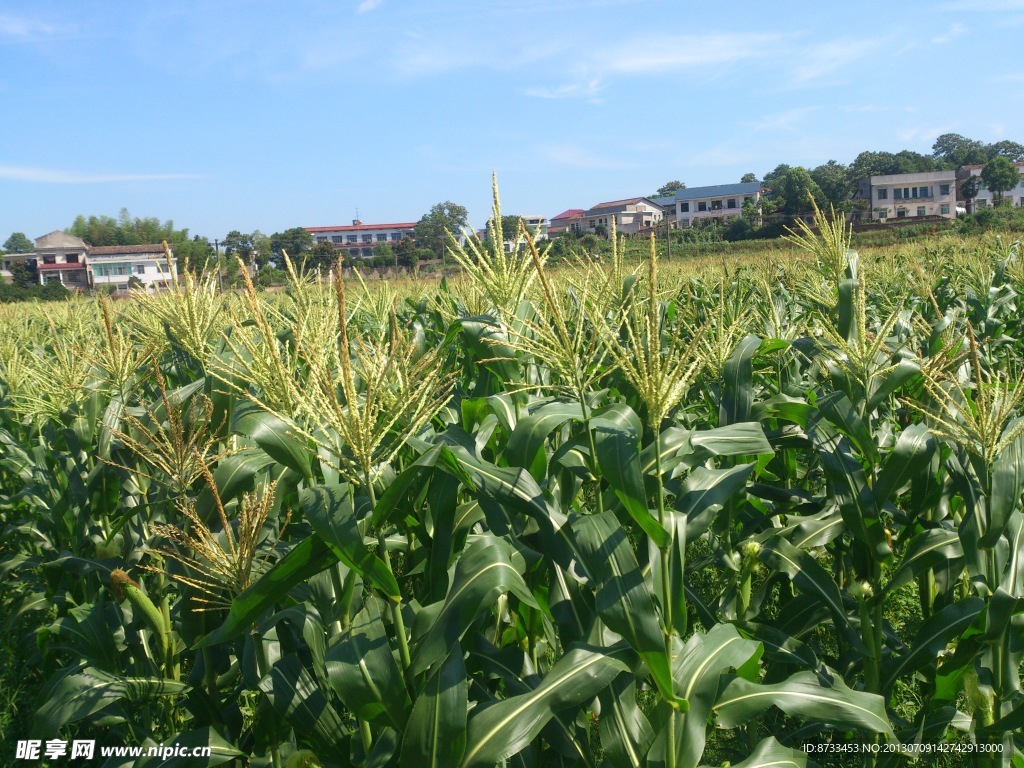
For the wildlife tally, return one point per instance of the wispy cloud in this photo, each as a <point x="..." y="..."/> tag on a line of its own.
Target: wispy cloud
<point x="788" y="120"/>
<point x="989" y="6"/>
<point x="826" y="59"/>
<point x="53" y="176"/>
<point x="660" y="55"/>
<point x="368" y="5"/>
<point x="29" y="30"/>
<point x="955" y="30"/>
<point x="585" y="89"/>
<point x="574" y="156"/>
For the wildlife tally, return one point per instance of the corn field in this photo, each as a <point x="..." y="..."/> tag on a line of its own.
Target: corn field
<point x="608" y="514"/>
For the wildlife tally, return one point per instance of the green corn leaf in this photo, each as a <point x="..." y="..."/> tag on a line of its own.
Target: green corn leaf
<point x="810" y="578"/>
<point x="769" y="753"/>
<point x="526" y="443"/>
<point x="933" y="636"/>
<point x="738" y="390"/>
<point x="77" y="696"/>
<point x="618" y="455"/>
<point x="363" y="672"/>
<point x="802" y="695"/>
<point x="500" y="730"/>
<point x="626" y="733"/>
<point x="305" y="560"/>
<point x="221" y="750"/>
<point x="1007" y="487"/>
<point x="297" y="698"/>
<point x="911" y="455"/>
<point x="706" y="491"/>
<point x="926" y="550"/>
<point x="271" y="434"/>
<point x="436" y="732"/>
<point x="328" y="508"/>
<point x="698" y="670"/>
<point x="849" y="487"/>
<point x="483" y="573"/>
<point x="625" y="600"/>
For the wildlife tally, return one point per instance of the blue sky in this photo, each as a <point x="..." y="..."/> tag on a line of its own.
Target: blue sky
<point x="266" y="115"/>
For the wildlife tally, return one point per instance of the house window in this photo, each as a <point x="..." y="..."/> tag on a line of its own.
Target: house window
<point x="321" y="239"/>
<point x="684" y="207"/>
<point x="944" y="190"/>
<point x="140" y="269"/>
<point x="883" y="194"/>
<point x="354" y="252"/>
<point x="336" y="239"/>
<point x="71" y="258"/>
<point x="920" y="210"/>
<point x="882" y="214"/>
<point x="352" y="238"/>
<point x="367" y="252"/>
<point x="382" y="238"/>
<point x="731" y="203"/>
<point x="121" y="269"/>
<point x="944" y="209"/>
<point x="901" y="213"/>
<point x="99" y="271"/>
<point x="367" y="238"/>
<point x="49" y="259"/>
<point x="396" y="237"/>
<point x="897" y="194"/>
<point x="702" y="206"/>
<point x="716" y="205"/>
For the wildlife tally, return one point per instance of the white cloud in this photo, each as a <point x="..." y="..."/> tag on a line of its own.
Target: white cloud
<point x="662" y="55"/>
<point x="955" y="30"/>
<point x="51" y="176"/>
<point x="368" y="5"/>
<point x="29" y="30"/>
<point x="584" y="89"/>
<point x="825" y="59"/>
<point x="577" y="157"/>
<point x="789" y="120"/>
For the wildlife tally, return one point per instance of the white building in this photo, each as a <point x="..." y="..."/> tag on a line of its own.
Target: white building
<point x="631" y="216"/>
<point x="906" y="195"/>
<point x="58" y="258"/>
<point x="116" y="265"/>
<point x="985" y="197"/>
<point x="359" y="239"/>
<point x="721" y="202"/>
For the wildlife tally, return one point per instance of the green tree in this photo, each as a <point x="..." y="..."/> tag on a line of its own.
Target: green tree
<point x="386" y="252"/>
<point x="237" y="244"/>
<point x="748" y="178"/>
<point x="321" y="256"/>
<point x="969" y="188"/>
<point x="955" y="150"/>
<point x="1010" y="149"/>
<point x="18" y="243"/>
<point x="296" y="242"/>
<point x="197" y="253"/>
<point x="999" y="175"/>
<point x="792" y="191"/>
<point x="669" y="188"/>
<point x="261" y="245"/>
<point x="23" y="275"/>
<point x="405" y="252"/>
<point x="510" y="227"/>
<point x="432" y="230"/>
<point x="834" y="180"/>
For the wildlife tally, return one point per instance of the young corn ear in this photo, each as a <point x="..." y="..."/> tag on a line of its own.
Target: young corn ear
<point x="125" y="588"/>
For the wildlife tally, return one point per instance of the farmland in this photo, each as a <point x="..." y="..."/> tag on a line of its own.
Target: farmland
<point x="763" y="509"/>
